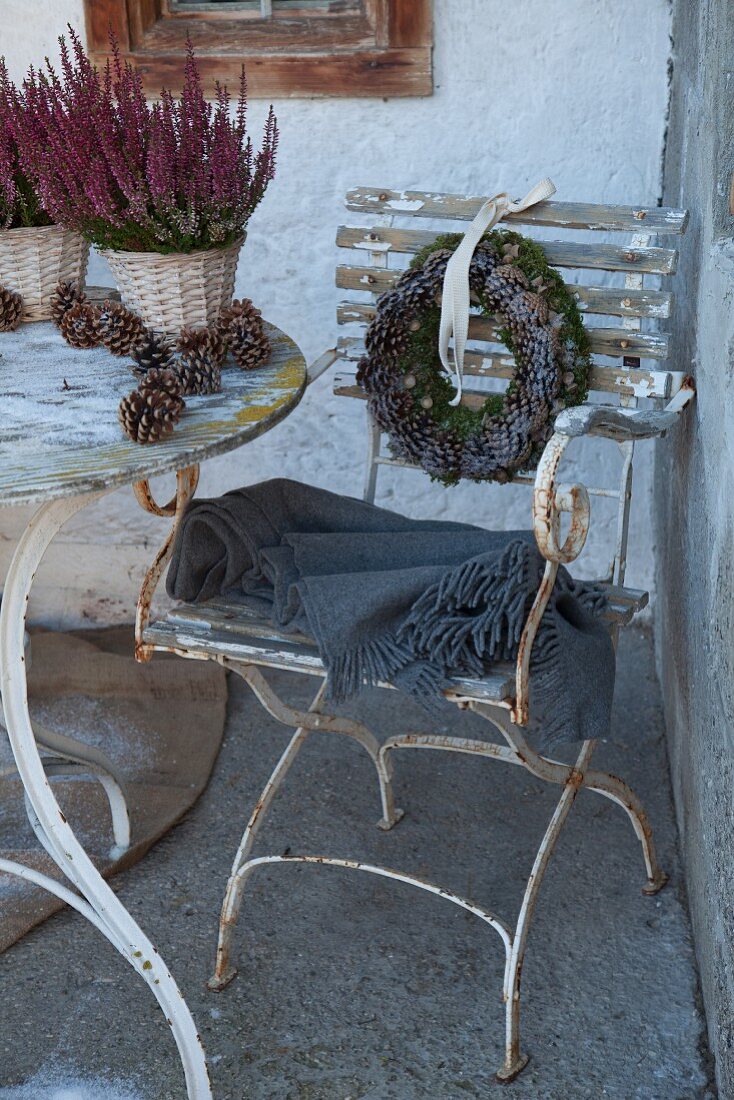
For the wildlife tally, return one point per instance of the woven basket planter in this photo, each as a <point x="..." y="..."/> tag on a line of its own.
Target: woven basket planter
<point x="170" y="291"/>
<point x="33" y="261"/>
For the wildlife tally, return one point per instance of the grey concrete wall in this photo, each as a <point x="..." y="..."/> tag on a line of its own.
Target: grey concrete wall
<point x="694" y="478"/>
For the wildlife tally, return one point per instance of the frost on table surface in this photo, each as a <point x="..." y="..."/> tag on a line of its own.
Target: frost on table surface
<point x="58" y="413"/>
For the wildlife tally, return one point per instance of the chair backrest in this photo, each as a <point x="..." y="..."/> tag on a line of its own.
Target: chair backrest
<point x="608" y="278"/>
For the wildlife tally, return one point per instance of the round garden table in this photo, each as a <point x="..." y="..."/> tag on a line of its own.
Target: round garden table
<point x="61" y="449"/>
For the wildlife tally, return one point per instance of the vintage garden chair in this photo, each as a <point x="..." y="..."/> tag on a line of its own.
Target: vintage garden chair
<point x="616" y="305"/>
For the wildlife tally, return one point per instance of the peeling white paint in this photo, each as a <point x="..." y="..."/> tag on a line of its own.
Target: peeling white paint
<point x="405" y="205"/>
<point x="373" y="246"/>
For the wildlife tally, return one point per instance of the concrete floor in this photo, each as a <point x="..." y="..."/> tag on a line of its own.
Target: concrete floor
<point x="352" y="987"/>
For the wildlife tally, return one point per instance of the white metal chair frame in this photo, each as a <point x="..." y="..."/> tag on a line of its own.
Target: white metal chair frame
<point x="245" y="645"/>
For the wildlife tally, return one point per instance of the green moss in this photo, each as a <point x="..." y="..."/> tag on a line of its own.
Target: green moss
<point x="131" y="237"/>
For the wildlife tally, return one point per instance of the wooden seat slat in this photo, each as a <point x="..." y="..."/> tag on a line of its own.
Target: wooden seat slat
<point x="228" y="629"/>
<point x="562" y="215"/>
<point x="606" y="257"/>
<point x="615" y="342"/>
<point x="197" y="639"/>
<point x="610" y="301"/>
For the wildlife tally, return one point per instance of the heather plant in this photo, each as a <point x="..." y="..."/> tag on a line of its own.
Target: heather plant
<point x="171" y="176"/>
<point x="19" y="204"/>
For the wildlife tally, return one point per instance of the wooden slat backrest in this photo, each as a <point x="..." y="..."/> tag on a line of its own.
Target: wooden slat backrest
<point x="614" y="314"/>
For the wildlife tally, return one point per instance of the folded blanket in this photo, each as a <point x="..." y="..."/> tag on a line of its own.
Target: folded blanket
<point x="399" y="600"/>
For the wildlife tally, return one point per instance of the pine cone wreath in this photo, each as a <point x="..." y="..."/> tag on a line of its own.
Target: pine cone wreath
<point x="63" y="298"/>
<point x="80" y="326"/>
<point x="151" y="412"/>
<point x="242" y="327"/>
<point x="11" y="309"/>
<point x="200" y="342"/>
<point x="152" y="352"/>
<point x="121" y="329"/>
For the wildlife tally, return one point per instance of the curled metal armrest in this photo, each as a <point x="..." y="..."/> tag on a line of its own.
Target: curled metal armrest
<point x="186" y="483"/>
<point x="550" y="501"/>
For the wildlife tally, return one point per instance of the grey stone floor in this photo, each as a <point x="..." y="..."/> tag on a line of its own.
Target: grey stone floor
<point x="352" y="987"/>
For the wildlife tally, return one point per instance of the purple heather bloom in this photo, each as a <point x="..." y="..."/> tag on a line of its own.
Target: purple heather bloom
<point x="19" y="205"/>
<point x="175" y="175"/>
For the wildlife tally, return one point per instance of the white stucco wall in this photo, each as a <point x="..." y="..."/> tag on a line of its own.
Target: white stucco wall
<point x="573" y="89"/>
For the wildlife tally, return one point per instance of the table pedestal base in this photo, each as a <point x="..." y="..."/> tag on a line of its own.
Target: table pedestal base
<point x="94" y="898"/>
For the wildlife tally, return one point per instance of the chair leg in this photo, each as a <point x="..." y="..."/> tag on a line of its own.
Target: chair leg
<point x="515" y="1061"/>
<point x="223" y="971"/>
<point x="615" y="789"/>
<point x="317" y="721"/>
<point x="306" y="722"/>
<point x="551" y="771"/>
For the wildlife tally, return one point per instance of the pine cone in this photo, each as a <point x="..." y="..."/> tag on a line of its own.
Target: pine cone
<point x="202" y="342"/>
<point x="165" y="381"/>
<point x="63" y="298"/>
<point x="242" y="327"/>
<point x="197" y="374"/>
<point x="11" y="309"/>
<point x="120" y="328"/>
<point x="152" y="352"/>
<point x="80" y="326"/>
<point x="148" y="414"/>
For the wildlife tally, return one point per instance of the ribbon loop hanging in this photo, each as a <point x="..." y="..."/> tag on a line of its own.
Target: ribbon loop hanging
<point x="455" y="299"/>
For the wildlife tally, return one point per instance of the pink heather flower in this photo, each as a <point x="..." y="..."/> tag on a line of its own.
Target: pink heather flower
<point x="175" y="175"/>
<point x="19" y="205"/>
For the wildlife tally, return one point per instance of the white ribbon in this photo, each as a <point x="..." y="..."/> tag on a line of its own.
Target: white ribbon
<point x="455" y="300"/>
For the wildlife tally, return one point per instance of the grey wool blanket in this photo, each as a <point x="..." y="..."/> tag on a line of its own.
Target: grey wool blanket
<point x="399" y="600"/>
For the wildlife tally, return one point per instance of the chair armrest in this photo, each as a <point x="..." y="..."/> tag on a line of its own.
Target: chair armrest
<point x="321" y="365"/>
<point x="550" y="501"/>
<point x="622" y="424"/>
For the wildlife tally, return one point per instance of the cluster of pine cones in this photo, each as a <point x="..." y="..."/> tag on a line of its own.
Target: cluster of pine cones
<point x="505" y="442"/>
<point x="167" y="372"/>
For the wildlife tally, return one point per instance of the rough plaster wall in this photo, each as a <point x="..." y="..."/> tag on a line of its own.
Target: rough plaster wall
<point x="695" y="509"/>
<point x="562" y="88"/>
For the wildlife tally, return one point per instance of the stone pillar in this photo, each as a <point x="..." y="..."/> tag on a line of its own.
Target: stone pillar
<point x="694" y="503"/>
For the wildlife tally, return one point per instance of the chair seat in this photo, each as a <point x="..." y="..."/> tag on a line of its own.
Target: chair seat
<point x="222" y="628"/>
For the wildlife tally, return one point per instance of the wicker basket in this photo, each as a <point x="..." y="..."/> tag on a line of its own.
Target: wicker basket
<point x="33" y="261"/>
<point x="170" y="291"/>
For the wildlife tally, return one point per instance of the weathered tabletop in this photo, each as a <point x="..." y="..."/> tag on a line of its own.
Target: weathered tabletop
<point x="59" y="434"/>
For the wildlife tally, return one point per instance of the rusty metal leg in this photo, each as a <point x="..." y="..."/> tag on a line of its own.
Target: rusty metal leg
<point x="224" y="972"/>
<point x="305" y="722"/>
<point x="514" y="1061"/>
<point x="324" y="723"/>
<point x="486" y="915"/>
<point x="614" y="788"/>
<point x="603" y="783"/>
<point x="115" y="798"/>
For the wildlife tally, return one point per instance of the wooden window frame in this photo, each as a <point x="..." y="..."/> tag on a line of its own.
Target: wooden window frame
<point x="382" y="51"/>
